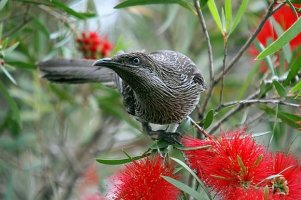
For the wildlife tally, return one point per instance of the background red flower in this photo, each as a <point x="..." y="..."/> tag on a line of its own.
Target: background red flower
<point x="93" y="46"/>
<point x="141" y="180"/>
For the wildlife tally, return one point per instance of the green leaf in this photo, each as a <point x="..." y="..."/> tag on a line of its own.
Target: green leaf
<point x="240" y="13"/>
<point x="286" y="48"/>
<point x="203" y="3"/>
<point x="280" y="89"/>
<point x="214" y="12"/>
<point x="193" y="174"/>
<point x="20" y="64"/>
<point x="11" y="102"/>
<point x="3" y="3"/>
<point x="287" y="36"/>
<point x="296" y="88"/>
<point x="288" y="118"/>
<point x="208" y="119"/>
<point x="129" y="3"/>
<point x="8" y="50"/>
<point x="120" y="161"/>
<point x="267" y="59"/>
<point x="228" y="14"/>
<point x="184" y="187"/>
<point x="7" y="74"/>
<point x="58" y="4"/>
<point x="294" y="68"/>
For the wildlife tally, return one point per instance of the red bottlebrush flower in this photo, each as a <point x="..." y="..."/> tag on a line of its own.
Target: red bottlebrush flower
<point x="285" y="17"/>
<point x="288" y="185"/>
<point x="141" y="180"/>
<point x="198" y="158"/>
<point x="234" y="164"/>
<point x="93" y="45"/>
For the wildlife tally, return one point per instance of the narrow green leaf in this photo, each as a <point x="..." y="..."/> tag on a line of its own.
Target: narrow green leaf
<point x="214" y="12"/>
<point x="208" y="119"/>
<point x="280" y="89"/>
<point x="10" y="49"/>
<point x="240" y="13"/>
<point x="203" y="3"/>
<point x="3" y="3"/>
<point x="119" y="161"/>
<point x="287" y="36"/>
<point x="267" y="59"/>
<point x="8" y="75"/>
<point x="286" y="48"/>
<point x="296" y="88"/>
<point x="11" y="102"/>
<point x="129" y="3"/>
<point x="20" y="64"/>
<point x="193" y="174"/>
<point x="185" y="188"/>
<point x="294" y="68"/>
<point x="60" y="5"/>
<point x="228" y="13"/>
<point x="288" y="118"/>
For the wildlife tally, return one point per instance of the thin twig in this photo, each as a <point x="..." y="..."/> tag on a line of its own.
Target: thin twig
<point x="232" y="112"/>
<point x="256" y="101"/>
<point x="224" y="66"/>
<point x="210" y="54"/>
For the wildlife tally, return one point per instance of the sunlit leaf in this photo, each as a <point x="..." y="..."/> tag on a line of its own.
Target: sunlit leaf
<point x="129" y="3"/>
<point x="239" y="14"/>
<point x="282" y="40"/>
<point x="214" y="12"/>
<point x="3" y="3"/>
<point x="296" y="88"/>
<point x="228" y="14"/>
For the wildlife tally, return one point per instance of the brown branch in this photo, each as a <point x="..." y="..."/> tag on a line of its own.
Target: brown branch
<point x="210" y="54"/>
<point x="257" y="101"/>
<point x="232" y="112"/>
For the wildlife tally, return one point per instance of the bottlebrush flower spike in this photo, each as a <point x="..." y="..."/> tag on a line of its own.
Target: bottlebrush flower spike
<point x="141" y="180"/>
<point x="288" y="185"/>
<point x="93" y="46"/>
<point x="198" y="158"/>
<point x="232" y="166"/>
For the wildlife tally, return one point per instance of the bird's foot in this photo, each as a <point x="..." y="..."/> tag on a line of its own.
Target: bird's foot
<point x="169" y="137"/>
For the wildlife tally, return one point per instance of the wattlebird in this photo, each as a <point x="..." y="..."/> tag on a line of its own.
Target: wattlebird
<point x="161" y="87"/>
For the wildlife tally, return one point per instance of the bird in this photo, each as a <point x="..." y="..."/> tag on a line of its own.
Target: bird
<point x="161" y="87"/>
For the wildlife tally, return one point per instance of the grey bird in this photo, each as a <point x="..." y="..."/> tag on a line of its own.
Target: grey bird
<point x="161" y="87"/>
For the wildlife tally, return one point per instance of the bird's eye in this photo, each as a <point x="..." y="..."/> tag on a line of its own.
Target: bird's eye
<point x="136" y="61"/>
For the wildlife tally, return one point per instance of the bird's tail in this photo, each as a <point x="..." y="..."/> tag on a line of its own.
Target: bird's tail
<point x="74" y="71"/>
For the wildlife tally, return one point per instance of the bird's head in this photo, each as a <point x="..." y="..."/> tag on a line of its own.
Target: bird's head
<point x="138" y="69"/>
<point x="144" y="71"/>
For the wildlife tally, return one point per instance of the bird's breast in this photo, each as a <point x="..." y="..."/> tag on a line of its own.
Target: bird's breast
<point x="167" y="107"/>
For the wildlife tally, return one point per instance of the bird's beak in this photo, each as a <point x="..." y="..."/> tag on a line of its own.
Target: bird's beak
<point x="106" y="62"/>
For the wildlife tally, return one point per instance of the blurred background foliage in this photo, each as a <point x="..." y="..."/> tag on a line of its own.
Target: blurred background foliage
<point x="50" y="133"/>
